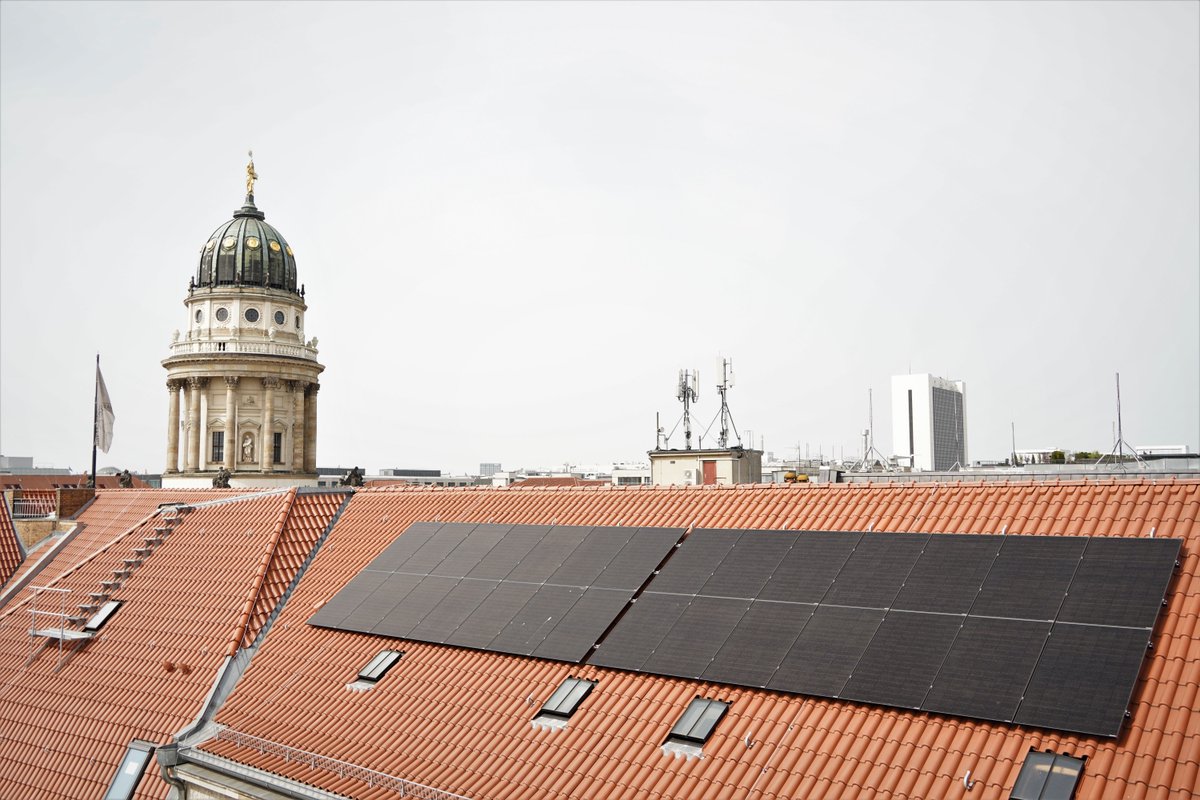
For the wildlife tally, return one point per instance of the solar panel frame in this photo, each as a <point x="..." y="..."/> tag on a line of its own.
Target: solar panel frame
<point x="874" y="573"/>
<point x="1120" y="582"/>
<point x="1084" y="679"/>
<point x="949" y="573"/>
<point x="1030" y="577"/>
<point x="748" y="565"/>
<point x="986" y="670"/>
<point x="812" y="562"/>
<point x="696" y="636"/>
<point x="695" y="561"/>
<point x="639" y="631"/>
<point x="575" y="634"/>
<point x="903" y="657"/>
<point x="823" y="656"/>
<point x="756" y="647"/>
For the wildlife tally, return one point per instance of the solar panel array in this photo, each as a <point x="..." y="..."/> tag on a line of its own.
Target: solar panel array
<point x="1033" y="630"/>
<point x="533" y="590"/>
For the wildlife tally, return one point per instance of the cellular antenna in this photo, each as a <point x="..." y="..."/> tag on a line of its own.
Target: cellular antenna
<point x="687" y="393"/>
<point x="1118" y="451"/>
<point x="726" y="415"/>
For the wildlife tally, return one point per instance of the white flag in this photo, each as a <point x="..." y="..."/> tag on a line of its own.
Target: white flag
<point x="104" y="413"/>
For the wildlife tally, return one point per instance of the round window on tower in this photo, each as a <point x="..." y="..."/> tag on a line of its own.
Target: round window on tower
<point x="222" y="314"/>
<point x="199" y="315"/>
<point x="252" y="242"/>
<point x="280" y="317"/>
<point x="251" y="315"/>
<point x="228" y="242"/>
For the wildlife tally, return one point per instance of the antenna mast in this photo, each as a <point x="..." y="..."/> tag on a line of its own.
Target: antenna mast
<point x="687" y="393"/>
<point x="726" y="415"/>
<point x="1118" y="451"/>
<point x="870" y="454"/>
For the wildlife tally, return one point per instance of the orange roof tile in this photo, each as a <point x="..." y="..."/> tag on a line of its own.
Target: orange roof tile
<point x="543" y="482"/>
<point x="148" y="671"/>
<point x="460" y="720"/>
<point x="11" y="552"/>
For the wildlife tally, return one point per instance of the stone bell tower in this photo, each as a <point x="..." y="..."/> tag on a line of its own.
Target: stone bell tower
<point x="241" y="378"/>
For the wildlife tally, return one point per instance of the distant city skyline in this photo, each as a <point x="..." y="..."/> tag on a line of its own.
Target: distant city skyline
<point x="516" y="222"/>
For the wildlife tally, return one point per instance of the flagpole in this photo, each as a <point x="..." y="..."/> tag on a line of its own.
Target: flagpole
<point x="95" y="421"/>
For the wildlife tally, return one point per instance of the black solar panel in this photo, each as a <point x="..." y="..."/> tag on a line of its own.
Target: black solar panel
<point x="451" y="610"/>
<point x="695" y="562"/>
<point x="638" y="633"/>
<point x="493" y="615"/>
<point x="876" y="570"/>
<point x="1120" y="582"/>
<point x="755" y="648"/>
<point x="580" y="628"/>
<point x="534" y="621"/>
<point x="947" y="576"/>
<point x="826" y="651"/>
<point x="1037" y="630"/>
<point x="987" y="668"/>
<point x="904" y="655"/>
<point x="696" y="637"/>
<point x="1084" y="679"/>
<point x="403" y="547"/>
<point x="470" y="551"/>
<point x="552" y="550"/>
<point x="808" y="569"/>
<point x="649" y="546"/>
<point x="502" y="559"/>
<point x="413" y="605"/>
<point x="591" y="556"/>
<point x="748" y="566"/>
<point x="1029" y="578"/>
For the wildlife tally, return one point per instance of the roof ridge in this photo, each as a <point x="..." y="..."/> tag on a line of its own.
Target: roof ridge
<point x="242" y="629"/>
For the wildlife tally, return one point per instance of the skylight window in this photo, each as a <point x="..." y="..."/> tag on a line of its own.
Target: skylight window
<point x="100" y="617"/>
<point x="567" y="698"/>
<point x="378" y="666"/>
<point x="698" y="721"/>
<point x="129" y="773"/>
<point x="1047" y="776"/>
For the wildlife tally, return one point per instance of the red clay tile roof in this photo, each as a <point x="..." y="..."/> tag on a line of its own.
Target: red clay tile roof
<point x="542" y="482"/>
<point x="11" y="552"/>
<point x="460" y="719"/>
<point x="109" y="515"/>
<point x="51" y="482"/>
<point x="148" y="672"/>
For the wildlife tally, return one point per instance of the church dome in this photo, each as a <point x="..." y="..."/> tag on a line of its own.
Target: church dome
<point x="246" y="251"/>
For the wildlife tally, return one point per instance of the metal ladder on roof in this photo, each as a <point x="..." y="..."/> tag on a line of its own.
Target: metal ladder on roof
<point x="70" y="638"/>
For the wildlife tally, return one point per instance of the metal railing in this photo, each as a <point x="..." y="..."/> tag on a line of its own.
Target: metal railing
<point x="234" y="346"/>
<point x="343" y="769"/>
<point x="38" y="507"/>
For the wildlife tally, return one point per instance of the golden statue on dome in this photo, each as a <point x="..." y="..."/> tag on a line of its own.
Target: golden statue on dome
<point x="251" y="175"/>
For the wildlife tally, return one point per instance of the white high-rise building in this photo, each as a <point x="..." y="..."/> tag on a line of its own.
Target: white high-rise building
<point x="929" y="422"/>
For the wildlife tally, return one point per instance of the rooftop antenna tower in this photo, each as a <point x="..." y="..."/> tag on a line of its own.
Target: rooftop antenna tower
<point x="870" y="454"/>
<point x="687" y="393"/>
<point x="726" y="416"/>
<point x="1118" y="451"/>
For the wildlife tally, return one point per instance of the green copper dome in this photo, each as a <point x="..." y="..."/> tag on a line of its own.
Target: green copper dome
<point x="246" y="251"/>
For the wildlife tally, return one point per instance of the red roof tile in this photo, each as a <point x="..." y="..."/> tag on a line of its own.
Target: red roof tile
<point x="11" y="552"/>
<point x="147" y="673"/>
<point x="460" y="719"/>
<point x="543" y="482"/>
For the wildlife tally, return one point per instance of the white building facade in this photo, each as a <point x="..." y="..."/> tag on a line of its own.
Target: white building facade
<point x="929" y="422"/>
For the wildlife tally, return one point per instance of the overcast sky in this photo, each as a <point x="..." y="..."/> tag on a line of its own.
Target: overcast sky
<point x="517" y="222"/>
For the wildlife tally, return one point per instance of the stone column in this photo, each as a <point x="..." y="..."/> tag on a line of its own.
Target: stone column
<point x="268" y="427"/>
<point x="310" y="429"/>
<point x="297" y="388"/>
<point x="193" y="424"/>
<point x="231" y="429"/>
<point x="173" y="387"/>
